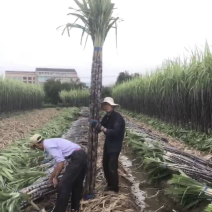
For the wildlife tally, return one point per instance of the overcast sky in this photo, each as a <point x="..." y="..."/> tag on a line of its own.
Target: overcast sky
<point x="153" y="30"/>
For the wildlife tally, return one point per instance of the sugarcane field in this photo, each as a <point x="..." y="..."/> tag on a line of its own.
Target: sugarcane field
<point x="127" y="132"/>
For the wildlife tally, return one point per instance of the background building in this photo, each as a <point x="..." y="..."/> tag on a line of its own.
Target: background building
<point x="24" y="76"/>
<point x="63" y="75"/>
<point x="41" y="75"/>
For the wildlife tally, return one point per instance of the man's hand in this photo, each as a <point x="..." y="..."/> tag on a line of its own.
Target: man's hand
<point x="55" y="182"/>
<point x="52" y="175"/>
<point x="96" y="125"/>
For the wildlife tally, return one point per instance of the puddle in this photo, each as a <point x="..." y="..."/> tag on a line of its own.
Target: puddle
<point x="135" y="190"/>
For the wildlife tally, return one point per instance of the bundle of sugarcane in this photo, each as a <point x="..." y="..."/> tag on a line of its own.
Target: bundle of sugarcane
<point x="149" y="149"/>
<point x="21" y="199"/>
<point x="156" y="166"/>
<point x="208" y="208"/>
<point x="178" y="158"/>
<point x="189" y="191"/>
<point x="192" y="157"/>
<point x="140" y="134"/>
<point x="156" y="170"/>
<point x="134" y="129"/>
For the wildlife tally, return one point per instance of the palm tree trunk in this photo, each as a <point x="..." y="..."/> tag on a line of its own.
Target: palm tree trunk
<point x="95" y="106"/>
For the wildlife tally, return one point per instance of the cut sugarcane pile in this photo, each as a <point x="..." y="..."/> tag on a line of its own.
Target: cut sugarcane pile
<point x="189" y="191"/>
<point x="161" y="161"/>
<point x="155" y="151"/>
<point x="103" y="201"/>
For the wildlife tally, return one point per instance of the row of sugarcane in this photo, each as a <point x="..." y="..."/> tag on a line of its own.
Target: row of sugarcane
<point x="20" y="166"/>
<point x="17" y="96"/>
<point x="180" y="92"/>
<point x="190" y="177"/>
<point x="75" y="97"/>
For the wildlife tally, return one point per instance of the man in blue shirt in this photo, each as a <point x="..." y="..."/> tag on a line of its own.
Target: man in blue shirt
<point x="72" y="180"/>
<point x="113" y="126"/>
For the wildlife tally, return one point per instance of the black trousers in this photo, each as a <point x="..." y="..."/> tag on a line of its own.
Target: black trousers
<point x="72" y="182"/>
<point x="110" y="168"/>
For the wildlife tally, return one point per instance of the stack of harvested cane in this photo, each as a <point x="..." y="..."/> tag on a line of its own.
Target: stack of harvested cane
<point x="168" y="157"/>
<point x="162" y="162"/>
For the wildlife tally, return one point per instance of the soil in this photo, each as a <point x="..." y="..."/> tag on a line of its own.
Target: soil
<point x="19" y="125"/>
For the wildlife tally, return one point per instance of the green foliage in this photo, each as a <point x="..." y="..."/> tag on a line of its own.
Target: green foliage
<point x="151" y="153"/>
<point x="106" y="91"/>
<point x="189" y="191"/>
<point x="179" y="92"/>
<point x="125" y="76"/>
<point x="52" y="89"/>
<point x="9" y="202"/>
<point x="75" y="98"/>
<point x="208" y="208"/>
<point x="19" y="164"/>
<point x="17" y="96"/>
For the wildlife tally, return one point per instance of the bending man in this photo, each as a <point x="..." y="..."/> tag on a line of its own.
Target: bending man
<point x="72" y="180"/>
<point x="113" y="126"/>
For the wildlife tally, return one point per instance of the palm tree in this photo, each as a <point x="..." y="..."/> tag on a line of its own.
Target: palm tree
<point x="97" y="18"/>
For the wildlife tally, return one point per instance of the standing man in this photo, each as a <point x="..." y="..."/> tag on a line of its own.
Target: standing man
<point x="113" y="126"/>
<point x="72" y="180"/>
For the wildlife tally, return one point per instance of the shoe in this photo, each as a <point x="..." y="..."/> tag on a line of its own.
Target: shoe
<point x="107" y="188"/>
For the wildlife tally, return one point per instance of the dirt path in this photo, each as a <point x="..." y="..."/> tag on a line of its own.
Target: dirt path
<point x="170" y="140"/>
<point x="18" y="126"/>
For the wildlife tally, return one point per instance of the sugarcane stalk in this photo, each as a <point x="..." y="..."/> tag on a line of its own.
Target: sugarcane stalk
<point x="95" y="98"/>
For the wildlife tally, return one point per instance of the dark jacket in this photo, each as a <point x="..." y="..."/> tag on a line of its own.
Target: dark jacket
<point x="115" y="125"/>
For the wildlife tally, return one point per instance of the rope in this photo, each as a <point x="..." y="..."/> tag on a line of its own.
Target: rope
<point x="205" y="189"/>
<point x="194" y="161"/>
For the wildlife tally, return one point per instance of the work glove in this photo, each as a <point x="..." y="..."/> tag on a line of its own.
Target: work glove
<point x="95" y="124"/>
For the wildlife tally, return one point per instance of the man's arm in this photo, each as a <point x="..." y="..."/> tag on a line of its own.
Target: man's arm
<point x="58" y="169"/>
<point x="57" y="155"/>
<point x="53" y="174"/>
<point x="103" y="122"/>
<point x="116" y="127"/>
